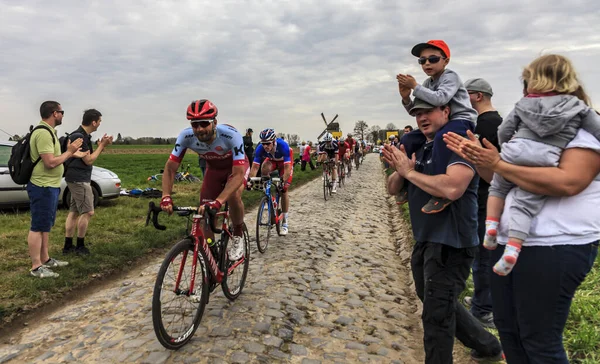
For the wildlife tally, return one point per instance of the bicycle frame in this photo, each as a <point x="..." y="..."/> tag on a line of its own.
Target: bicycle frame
<point x="197" y="235"/>
<point x="267" y="183"/>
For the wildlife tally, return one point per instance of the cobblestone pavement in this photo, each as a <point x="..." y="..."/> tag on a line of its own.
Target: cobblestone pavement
<point x="334" y="290"/>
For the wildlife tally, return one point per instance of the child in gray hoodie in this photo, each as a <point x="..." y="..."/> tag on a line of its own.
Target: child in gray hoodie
<point x="535" y="134"/>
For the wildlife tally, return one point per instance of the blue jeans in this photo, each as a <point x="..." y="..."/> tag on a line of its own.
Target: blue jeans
<point x="531" y="304"/>
<point x="43" y="202"/>
<point x="482" y="265"/>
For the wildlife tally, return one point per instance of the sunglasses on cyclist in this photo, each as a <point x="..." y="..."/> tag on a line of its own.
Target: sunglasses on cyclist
<point x="431" y="59"/>
<point x="200" y="123"/>
<point x="266" y="143"/>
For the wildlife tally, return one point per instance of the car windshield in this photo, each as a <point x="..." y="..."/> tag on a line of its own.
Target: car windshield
<point x="4" y="155"/>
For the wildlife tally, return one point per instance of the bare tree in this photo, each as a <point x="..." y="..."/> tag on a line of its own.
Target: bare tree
<point x="391" y="126"/>
<point x="360" y="128"/>
<point x="293" y="140"/>
<point x="374" y="133"/>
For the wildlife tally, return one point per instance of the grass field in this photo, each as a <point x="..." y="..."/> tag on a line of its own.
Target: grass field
<point x="582" y="332"/>
<point x="116" y="236"/>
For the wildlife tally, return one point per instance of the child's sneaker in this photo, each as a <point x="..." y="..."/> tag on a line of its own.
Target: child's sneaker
<point x="401" y="197"/>
<point x="435" y="205"/>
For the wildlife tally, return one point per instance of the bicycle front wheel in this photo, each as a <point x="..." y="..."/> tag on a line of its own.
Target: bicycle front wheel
<point x="325" y="184"/>
<point x="235" y="272"/>
<point x="177" y="307"/>
<point x="263" y="225"/>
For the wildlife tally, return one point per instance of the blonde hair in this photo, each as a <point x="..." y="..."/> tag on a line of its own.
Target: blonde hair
<point x="553" y="73"/>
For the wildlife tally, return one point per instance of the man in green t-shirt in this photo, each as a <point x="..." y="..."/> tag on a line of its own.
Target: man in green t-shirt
<point x="44" y="187"/>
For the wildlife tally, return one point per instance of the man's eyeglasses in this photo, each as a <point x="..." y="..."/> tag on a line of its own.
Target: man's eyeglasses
<point x="62" y="112"/>
<point x="431" y="59"/>
<point x="266" y="143"/>
<point x="200" y="123"/>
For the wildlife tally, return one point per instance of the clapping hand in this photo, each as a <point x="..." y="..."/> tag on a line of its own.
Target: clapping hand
<point x="406" y="81"/>
<point x="398" y="160"/>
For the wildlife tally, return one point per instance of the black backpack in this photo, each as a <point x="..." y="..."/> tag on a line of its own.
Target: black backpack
<point x="20" y="165"/>
<point x="64" y="142"/>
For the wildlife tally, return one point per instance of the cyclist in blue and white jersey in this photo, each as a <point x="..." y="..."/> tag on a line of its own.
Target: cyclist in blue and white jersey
<point x="275" y="154"/>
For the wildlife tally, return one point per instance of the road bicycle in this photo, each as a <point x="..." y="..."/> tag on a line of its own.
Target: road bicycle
<point x="357" y="159"/>
<point x="180" y="176"/>
<point x="348" y="166"/>
<point x="341" y="173"/>
<point x="191" y="270"/>
<point x="328" y="166"/>
<point x="269" y="213"/>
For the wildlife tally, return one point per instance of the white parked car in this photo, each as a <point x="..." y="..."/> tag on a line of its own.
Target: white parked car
<point x="105" y="184"/>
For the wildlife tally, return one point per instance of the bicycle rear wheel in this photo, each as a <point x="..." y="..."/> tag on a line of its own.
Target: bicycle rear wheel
<point x="177" y="311"/>
<point x="263" y="225"/>
<point x="235" y="273"/>
<point x="340" y="172"/>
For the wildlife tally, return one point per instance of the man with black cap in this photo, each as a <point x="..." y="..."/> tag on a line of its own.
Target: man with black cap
<point x="249" y="144"/>
<point x="488" y="121"/>
<point x="446" y="242"/>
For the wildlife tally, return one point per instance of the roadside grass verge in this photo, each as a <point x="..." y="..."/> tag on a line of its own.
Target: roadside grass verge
<point x="582" y="331"/>
<point x="117" y="235"/>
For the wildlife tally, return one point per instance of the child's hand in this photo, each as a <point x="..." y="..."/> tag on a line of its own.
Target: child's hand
<point x="404" y="92"/>
<point x="407" y="81"/>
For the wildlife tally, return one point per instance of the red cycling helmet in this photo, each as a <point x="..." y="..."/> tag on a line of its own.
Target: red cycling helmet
<point x="201" y="110"/>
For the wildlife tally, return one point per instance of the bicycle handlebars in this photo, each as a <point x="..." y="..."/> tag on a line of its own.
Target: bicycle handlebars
<point x="257" y="182"/>
<point x="209" y="216"/>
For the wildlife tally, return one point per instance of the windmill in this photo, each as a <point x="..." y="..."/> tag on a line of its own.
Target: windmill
<point x="331" y="126"/>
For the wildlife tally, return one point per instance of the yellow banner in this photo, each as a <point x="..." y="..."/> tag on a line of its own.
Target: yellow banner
<point x="390" y="133"/>
<point x="336" y="134"/>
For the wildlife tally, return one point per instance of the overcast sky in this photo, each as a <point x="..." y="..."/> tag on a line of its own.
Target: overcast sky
<point x="268" y="63"/>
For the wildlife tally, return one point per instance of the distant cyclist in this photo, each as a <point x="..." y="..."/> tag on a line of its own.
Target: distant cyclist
<point x="275" y="154"/>
<point x="343" y="153"/>
<point x="226" y="167"/>
<point x="328" y="150"/>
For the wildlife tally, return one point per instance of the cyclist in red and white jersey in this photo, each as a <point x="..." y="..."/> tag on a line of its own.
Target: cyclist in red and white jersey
<point x="227" y="167"/>
<point x="352" y="144"/>
<point x="343" y="152"/>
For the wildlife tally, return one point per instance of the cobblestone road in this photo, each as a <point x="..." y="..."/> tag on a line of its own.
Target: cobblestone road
<point x="335" y="290"/>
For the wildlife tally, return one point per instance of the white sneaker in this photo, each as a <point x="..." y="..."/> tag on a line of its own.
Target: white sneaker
<point x="284" y="229"/>
<point x="43" y="272"/>
<point x="235" y="249"/>
<point x="55" y="263"/>
<point x="334" y="189"/>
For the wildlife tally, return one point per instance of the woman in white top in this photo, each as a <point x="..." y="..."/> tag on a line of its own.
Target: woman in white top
<point x="531" y="305"/>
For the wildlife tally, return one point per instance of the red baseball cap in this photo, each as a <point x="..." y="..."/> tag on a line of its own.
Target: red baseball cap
<point x="436" y="43"/>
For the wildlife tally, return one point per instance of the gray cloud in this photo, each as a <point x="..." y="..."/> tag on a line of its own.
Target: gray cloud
<point x="268" y="64"/>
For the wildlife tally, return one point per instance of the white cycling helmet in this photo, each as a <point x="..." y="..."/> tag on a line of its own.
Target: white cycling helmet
<point x="328" y="137"/>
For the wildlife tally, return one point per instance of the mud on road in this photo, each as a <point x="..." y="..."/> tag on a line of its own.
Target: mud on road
<point x="336" y="289"/>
